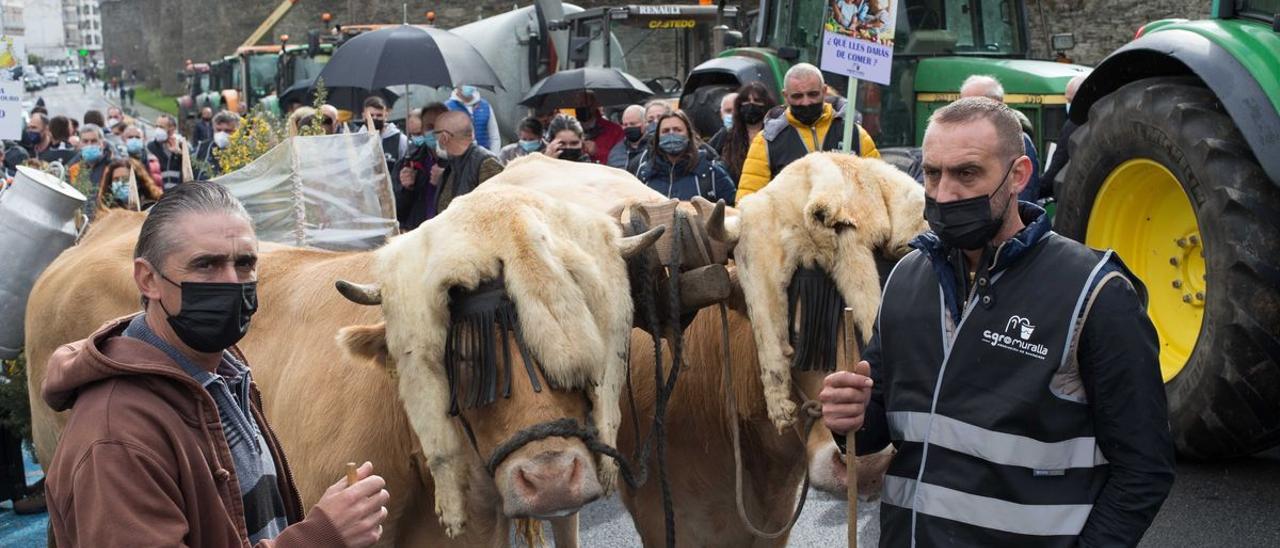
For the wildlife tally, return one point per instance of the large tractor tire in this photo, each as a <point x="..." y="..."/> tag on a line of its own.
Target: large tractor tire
<point x="703" y="107"/>
<point x="1162" y="175"/>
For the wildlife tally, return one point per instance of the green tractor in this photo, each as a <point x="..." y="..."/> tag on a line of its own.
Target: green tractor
<point x="937" y="44"/>
<point x="224" y="79"/>
<point x="1175" y="165"/>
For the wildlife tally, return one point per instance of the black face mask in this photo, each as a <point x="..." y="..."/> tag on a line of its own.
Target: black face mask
<point x="751" y="113"/>
<point x="967" y="223"/>
<point x="214" y="316"/>
<point x="379" y="124"/>
<point x="807" y="114"/>
<point x="571" y="154"/>
<point x="634" y="133"/>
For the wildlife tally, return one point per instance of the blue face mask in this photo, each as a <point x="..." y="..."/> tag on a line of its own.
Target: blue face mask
<point x="120" y="189"/>
<point x="673" y="143"/>
<point x="91" y="153"/>
<point x="530" y="145"/>
<point x="419" y="140"/>
<point x="133" y="145"/>
<point x="728" y="121"/>
<point x="469" y="91"/>
<point x="429" y="140"/>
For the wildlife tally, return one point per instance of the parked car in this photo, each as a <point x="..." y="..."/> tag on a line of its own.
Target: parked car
<point x="71" y="78"/>
<point x="32" y="83"/>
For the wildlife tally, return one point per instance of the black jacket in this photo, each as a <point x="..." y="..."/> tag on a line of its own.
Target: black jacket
<point x="1061" y="155"/>
<point x="1117" y="355"/>
<point x="202" y="132"/>
<point x="415" y="205"/>
<point x="464" y="173"/>
<point x="170" y="164"/>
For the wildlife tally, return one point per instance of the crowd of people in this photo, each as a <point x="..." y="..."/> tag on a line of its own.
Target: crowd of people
<point x="654" y="141"/>
<point x="447" y="149"/>
<point x="118" y="159"/>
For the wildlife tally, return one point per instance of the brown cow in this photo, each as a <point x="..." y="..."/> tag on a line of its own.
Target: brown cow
<point x="331" y="407"/>
<point x="831" y="211"/>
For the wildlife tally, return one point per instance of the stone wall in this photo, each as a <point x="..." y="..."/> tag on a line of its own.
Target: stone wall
<point x="157" y="36"/>
<point x="1100" y="26"/>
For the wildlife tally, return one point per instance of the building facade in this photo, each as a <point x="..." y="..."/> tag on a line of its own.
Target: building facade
<point x="45" y="28"/>
<point x="90" y="24"/>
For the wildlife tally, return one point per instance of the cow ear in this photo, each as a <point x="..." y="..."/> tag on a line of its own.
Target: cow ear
<point x="366" y="342"/>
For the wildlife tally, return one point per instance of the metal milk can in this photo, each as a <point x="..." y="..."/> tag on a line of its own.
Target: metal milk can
<point x="37" y="222"/>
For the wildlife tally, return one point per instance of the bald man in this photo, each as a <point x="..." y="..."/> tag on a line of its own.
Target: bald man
<point x="1061" y="151"/>
<point x="468" y="165"/>
<point x="633" y="129"/>
<point x="981" y="85"/>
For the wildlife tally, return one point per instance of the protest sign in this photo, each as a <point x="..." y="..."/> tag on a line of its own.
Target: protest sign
<point x="857" y="39"/>
<point x="11" y="124"/>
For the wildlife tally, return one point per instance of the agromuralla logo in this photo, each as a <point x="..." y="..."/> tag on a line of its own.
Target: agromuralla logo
<point x="1017" y="337"/>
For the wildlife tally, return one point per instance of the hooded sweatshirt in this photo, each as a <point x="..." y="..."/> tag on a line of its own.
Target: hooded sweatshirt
<point x="143" y="459"/>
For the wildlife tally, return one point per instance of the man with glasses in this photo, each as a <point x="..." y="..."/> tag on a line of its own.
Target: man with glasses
<point x="206" y="162"/>
<point x="1015" y="371"/>
<point x="468" y="164"/>
<point x="808" y="125"/>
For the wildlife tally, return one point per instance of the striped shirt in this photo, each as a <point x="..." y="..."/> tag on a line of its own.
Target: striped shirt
<point x="264" y="512"/>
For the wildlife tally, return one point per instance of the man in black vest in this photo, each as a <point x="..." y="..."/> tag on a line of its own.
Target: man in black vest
<point x="1015" y="371"/>
<point x="467" y="163"/>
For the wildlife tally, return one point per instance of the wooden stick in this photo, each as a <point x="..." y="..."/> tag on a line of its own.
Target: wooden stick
<point x="186" y="162"/>
<point x="351" y="474"/>
<point x="851" y="357"/>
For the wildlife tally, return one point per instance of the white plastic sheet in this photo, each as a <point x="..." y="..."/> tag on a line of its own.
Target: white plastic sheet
<point x="329" y="191"/>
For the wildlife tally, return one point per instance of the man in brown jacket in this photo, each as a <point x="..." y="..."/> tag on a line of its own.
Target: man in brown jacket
<point x="167" y="444"/>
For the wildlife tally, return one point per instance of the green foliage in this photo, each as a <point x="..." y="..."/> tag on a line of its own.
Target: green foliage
<point x="258" y="133"/>
<point x="15" y="408"/>
<point x="316" y="127"/>
<point x="153" y="98"/>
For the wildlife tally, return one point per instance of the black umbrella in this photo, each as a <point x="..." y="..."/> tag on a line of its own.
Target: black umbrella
<point x="568" y="88"/>
<point x="345" y="98"/>
<point x="407" y="54"/>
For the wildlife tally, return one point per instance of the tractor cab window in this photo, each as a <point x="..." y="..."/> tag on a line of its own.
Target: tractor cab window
<point x="939" y="27"/>
<point x="262" y="76"/>
<point x="306" y="68"/>
<point x="1260" y="9"/>
<point x="202" y="82"/>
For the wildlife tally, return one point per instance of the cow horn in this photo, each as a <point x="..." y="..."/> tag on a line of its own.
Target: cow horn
<point x="718" y="229"/>
<point x="632" y="245"/>
<point x="367" y="294"/>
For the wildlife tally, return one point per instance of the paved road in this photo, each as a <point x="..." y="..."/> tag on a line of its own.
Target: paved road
<point x="68" y="100"/>
<point x="1235" y="503"/>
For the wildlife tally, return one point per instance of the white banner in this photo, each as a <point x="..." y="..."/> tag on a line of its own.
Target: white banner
<point x="11" y="124"/>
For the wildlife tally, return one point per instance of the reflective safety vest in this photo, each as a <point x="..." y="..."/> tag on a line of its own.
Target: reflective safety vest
<point x="993" y="429"/>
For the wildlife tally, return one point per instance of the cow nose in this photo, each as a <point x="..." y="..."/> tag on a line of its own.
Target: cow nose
<point x="550" y="484"/>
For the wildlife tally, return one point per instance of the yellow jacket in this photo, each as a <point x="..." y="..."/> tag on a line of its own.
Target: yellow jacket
<point x="755" y="169"/>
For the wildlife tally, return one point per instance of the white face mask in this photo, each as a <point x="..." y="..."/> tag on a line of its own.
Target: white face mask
<point x="161" y="135"/>
<point x="222" y="139"/>
<point x="112" y="122"/>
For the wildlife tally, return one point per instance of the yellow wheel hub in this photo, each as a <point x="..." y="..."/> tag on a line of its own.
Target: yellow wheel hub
<point x="1143" y="213"/>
